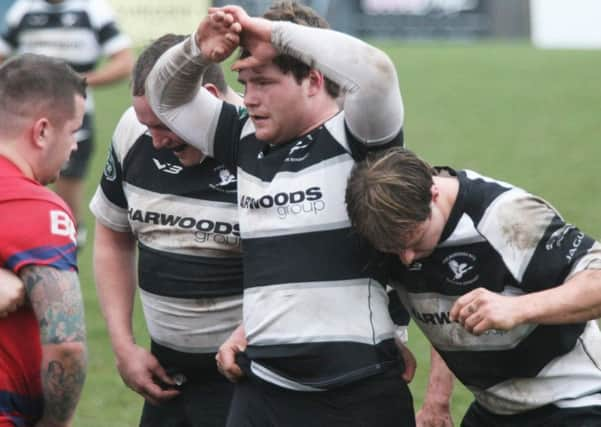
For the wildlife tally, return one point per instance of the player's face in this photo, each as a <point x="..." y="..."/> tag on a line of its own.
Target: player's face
<point x="61" y="142"/>
<point x="424" y="238"/>
<point x="276" y="102"/>
<point x="162" y="136"/>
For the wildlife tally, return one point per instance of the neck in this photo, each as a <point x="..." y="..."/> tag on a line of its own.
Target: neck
<point x="232" y="97"/>
<point x="7" y="151"/>
<point x="321" y="118"/>
<point x="449" y="188"/>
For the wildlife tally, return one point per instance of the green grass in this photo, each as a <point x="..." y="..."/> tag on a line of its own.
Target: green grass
<point x="526" y="116"/>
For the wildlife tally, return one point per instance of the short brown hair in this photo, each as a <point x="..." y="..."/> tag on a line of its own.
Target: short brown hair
<point x="33" y="84"/>
<point x="149" y="56"/>
<point x="292" y="11"/>
<point x="388" y="194"/>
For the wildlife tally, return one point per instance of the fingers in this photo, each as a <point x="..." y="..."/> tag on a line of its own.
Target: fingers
<point x="226" y="362"/>
<point x="248" y="62"/>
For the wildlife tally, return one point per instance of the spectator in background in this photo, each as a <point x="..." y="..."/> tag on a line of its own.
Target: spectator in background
<point x="180" y="209"/>
<point x="43" y="343"/>
<point x="506" y="291"/>
<point x="80" y="33"/>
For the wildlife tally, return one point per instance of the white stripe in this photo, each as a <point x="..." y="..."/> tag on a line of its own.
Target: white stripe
<point x="452" y="336"/>
<point x="311" y="213"/>
<point x="505" y="227"/>
<point x="195" y="325"/>
<point x="108" y="213"/>
<point x="273" y="378"/>
<point x="353" y="310"/>
<point x="465" y="233"/>
<point x="202" y="217"/>
<point x="566" y="381"/>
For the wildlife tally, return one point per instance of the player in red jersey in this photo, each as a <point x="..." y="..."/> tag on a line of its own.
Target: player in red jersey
<point x="43" y="345"/>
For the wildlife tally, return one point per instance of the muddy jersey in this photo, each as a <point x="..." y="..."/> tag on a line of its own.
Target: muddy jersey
<point x="312" y="289"/>
<point x="506" y="240"/>
<point x="36" y="228"/>
<point x="186" y="224"/>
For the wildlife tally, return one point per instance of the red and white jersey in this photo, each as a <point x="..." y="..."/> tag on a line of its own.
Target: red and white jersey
<point x="36" y="228"/>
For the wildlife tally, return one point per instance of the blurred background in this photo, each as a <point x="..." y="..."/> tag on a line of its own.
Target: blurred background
<point x="509" y="88"/>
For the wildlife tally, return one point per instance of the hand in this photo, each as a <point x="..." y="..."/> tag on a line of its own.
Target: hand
<point x="218" y="35"/>
<point x="481" y="310"/>
<point x="12" y="292"/>
<point x="431" y="415"/>
<point x="141" y="372"/>
<point x="226" y="356"/>
<point x="408" y="359"/>
<point x="255" y="37"/>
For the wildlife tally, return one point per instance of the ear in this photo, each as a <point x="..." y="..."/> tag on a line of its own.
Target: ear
<point x="435" y="191"/>
<point x="316" y="82"/>
<point x="213" y="90"/>
<point x="39" y="132"/>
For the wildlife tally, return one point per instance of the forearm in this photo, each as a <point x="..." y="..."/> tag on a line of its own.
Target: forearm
<point x="373" y="104"/>
<point x="174" y="92"/>
<point x="63" y="374"/>
<point x="440" y="381"/>
<point x="118" y="67"/>
<point x="577" y="300"/>
<point x="115" y="277"/>
<point x="56" y="300"/>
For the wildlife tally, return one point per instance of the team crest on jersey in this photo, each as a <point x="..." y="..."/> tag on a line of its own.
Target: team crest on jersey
<point x="227" y="180"/>
<point x="461" y="268"/>
<point x="110" y="169"/>
<point x="69" y="19"/>
<point x="300" y="150"/>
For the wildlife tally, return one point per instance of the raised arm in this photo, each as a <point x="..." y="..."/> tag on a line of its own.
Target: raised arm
<point x="115" y="276"/>
<point x="173" y="86"/>
<point x="56" y="300"/>
<point x="373" y="104"/>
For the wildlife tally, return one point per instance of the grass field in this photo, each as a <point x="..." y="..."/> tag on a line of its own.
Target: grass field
<point x="526" y="116"/>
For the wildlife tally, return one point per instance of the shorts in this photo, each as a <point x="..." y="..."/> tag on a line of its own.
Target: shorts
<point x="79" y="162"/>
<point x="383" y="400"/>
<point x="203" y="404"/>
<point x="546" y="416"/>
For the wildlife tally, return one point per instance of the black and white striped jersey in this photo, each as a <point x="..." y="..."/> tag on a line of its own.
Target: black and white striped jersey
<point x="506" y="240"/>
<point x="315" y="308"/>
<point x="186" y="222"/>
<point x="80" y="32"/>
<point x="77" y="31"/>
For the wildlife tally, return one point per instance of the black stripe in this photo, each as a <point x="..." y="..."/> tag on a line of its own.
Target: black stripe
<point x="555" y="256"/>
<point x="308" y="150"/>
<point x="111" y="180"/>
<point x="107" y="32"/>
<point x="197" y="367"/>
<point x="474" y="197"/>
<point x="227" y="136"/>
<point x="33" y="21"/>
<point x="186" y="276"/>
<point x="311" y="257"/>
<point x="486" y="368"/>
<point x="196" y="182"/>
<point x="327" y="364"/>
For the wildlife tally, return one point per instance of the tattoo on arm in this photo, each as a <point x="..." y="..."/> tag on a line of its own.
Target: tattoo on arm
<point x="56" y="300"/>
<point x="62" y="383"/>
